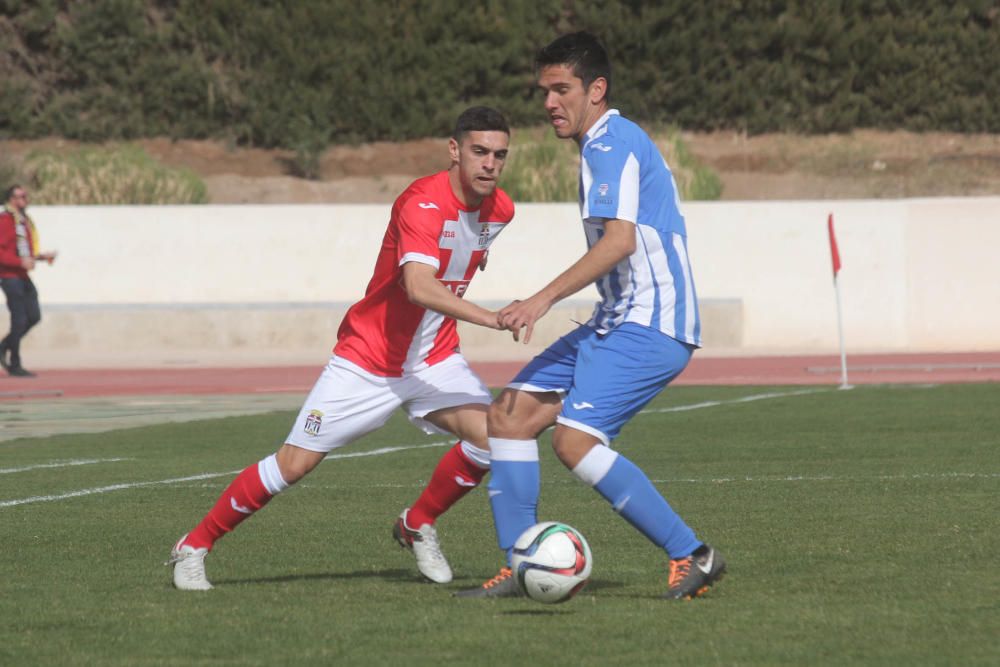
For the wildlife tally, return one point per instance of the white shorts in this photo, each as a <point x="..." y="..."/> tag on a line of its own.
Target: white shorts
<point x="348" y="402"/>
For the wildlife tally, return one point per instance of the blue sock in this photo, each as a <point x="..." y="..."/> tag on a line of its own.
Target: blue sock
<point x="514" y="487"/>
<point x="632" y="495"/>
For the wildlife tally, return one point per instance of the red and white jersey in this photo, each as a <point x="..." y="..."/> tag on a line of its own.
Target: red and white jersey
<point x="385" y="333"/>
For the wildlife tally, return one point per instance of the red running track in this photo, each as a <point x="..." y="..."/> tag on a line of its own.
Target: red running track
<point x="791" y="370"/>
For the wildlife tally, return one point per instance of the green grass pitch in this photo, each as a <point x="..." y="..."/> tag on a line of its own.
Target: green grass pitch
<point x="861" y="527"/>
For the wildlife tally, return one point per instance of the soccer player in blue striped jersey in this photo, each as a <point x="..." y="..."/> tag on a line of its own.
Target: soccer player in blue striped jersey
<point x="644" y="329"/>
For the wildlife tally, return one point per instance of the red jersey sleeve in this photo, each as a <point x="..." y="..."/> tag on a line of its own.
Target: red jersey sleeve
<point x="419" y="224"/>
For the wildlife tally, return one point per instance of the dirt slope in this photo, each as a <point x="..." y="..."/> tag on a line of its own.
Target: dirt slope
<point x="864" y="164"/>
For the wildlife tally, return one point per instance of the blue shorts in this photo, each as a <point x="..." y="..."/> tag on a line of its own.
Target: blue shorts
<point x="605" y="379"/>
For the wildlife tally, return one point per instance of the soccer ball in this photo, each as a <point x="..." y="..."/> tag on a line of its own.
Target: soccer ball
<point x="551" y="562"/>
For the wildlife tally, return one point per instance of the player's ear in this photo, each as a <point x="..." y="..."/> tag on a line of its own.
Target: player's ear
<point x="453" y="151"/>
<point x="597" y="90"/>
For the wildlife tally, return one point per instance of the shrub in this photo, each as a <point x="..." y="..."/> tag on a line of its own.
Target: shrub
<point x="120" y="69"/>
<point x="9" y="174"/>
<point x="124" y="174"/>
<point x="544" y="168"/>
<point x="541" y="168"/>
<point x="695" y="181"/>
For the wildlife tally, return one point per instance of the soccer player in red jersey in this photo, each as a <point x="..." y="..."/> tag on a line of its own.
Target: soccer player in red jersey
<point x="397" y="347"/>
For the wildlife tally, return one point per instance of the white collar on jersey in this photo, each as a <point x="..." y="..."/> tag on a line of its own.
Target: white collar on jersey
<point x="601" y="126"/>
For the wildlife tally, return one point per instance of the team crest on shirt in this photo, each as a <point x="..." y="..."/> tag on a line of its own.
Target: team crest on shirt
<point x="484" y="235"/>
<point x="602" y="198"/>
<point x="313" y="421"/>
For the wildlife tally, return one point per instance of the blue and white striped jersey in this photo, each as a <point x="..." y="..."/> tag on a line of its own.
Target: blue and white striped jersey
<point x="624" y="176"/>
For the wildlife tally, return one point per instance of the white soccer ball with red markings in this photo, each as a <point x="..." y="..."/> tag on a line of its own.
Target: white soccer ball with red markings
<point x="551" y="562"/>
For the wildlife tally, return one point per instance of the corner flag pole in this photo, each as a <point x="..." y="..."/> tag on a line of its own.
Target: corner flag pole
<point x="835" y="256"/>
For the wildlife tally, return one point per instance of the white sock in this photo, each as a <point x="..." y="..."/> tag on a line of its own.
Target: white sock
<point x="595" y="465"/>
<point x="270" y="475"/>
<point x="480" y="457"/>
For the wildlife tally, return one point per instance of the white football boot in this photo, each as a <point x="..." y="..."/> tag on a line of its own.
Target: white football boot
<point x="426" y="548"/>
<point x="189" y="567"/>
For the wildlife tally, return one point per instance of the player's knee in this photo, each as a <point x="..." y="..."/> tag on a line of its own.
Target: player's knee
<point x="505" y="421"/>
<point x="498" y="419"/>
<point x="521" y="415"/>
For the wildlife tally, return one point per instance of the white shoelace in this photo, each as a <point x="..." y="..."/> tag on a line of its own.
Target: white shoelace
<point x="433" y="546"/>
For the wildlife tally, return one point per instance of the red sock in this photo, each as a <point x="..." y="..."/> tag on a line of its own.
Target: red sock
<point x="454" y="476"/>
<point x="244" y="496"/>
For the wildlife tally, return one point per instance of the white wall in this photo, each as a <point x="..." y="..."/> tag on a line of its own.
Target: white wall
<point x="917" y="274"/>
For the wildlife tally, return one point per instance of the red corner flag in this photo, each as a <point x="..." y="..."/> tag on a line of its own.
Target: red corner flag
<point x="833" y="246"/>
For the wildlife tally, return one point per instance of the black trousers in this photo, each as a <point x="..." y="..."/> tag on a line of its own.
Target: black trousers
<point x="22" y="302"/>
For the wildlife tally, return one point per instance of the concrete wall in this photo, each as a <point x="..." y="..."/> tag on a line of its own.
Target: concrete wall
<point x="271" y="282"/>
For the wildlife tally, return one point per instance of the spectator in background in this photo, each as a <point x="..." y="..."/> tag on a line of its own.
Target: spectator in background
<point x="18" y="255"/>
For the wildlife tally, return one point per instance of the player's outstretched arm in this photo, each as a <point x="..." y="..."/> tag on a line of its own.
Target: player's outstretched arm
<point x="425" y="290"/>
<point x="617" y="243"/>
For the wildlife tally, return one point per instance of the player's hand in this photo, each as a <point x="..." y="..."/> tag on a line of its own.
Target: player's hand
<point x="47" y="257"/>
<point x="523" y="315"/>
<point x="27" y="263"/>
<point x="500" y="318"/>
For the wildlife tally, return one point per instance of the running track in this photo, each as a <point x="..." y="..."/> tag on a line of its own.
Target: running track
<point x="791" y="370"/>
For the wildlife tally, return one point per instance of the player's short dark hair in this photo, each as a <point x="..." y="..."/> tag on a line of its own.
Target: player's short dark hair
<point x="581" y="52"/>
<point x="480" y="119"/>
<point x="9" y="192"/>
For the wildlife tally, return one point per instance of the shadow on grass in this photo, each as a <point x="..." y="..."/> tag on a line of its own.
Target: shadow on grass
<point x="396" y="575"/>
<point x="391" y="575"/>
<point x="563" y="608"/>
<point x="598" y="585"/>
<point x="591" y="587"/>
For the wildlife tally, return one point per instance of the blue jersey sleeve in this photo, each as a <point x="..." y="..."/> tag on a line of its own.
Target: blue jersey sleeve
<point x="610" y="180"/>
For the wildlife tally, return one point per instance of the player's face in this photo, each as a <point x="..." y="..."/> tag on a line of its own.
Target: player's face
<point x="480" y="157"/>
<point x="572" y="108"/>
<point x="19" y="199"/>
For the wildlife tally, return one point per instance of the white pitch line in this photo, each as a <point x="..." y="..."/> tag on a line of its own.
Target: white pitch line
<point x="192" y="478"/>
<point x="385" y="450"/>
<point x="107" y="489"/>
<point x="375" y="452"/>
<point x="834" y="478"/>
<point x="60" y="464"/>
<point x="744" y="399"/>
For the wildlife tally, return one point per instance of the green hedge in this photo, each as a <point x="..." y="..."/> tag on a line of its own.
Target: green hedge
<point x="302" y="74"/>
